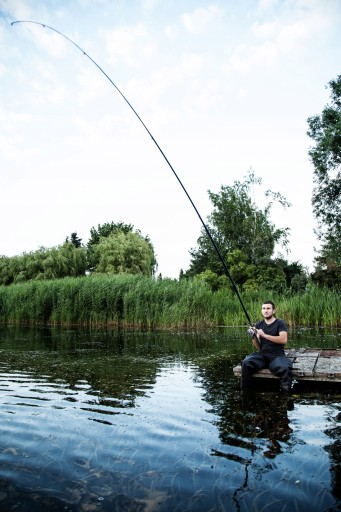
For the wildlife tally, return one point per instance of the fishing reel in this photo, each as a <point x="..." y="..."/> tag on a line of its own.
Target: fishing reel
<point x="252" y="332"/>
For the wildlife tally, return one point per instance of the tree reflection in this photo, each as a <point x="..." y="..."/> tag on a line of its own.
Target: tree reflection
<point x="334" y="451"/>
<point x="258" y="427"/>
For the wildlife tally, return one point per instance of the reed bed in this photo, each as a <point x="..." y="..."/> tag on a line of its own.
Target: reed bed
<point x="316" y="307"/>
<point x="144" y="302"/>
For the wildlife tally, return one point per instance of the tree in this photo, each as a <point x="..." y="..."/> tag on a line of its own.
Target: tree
<point x="75" y="240"/>
<point x="107" y="229"/>
<point x="127" y="253"/>
<point x="241" y="231"/>
<point x="296" y="275"/>
<point x="56" y="262"/>
<point x="325" y="130"/>
<point x="327" y="272"/>
<point x="103" y="231"/>
<point x="96" y="247"/>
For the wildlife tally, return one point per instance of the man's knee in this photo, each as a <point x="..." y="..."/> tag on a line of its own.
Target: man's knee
<point x="253" y="361"/>
<point x="280" y="366"/>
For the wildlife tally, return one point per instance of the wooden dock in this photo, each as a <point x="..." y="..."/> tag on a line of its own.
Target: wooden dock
<point x="318" y="365"/>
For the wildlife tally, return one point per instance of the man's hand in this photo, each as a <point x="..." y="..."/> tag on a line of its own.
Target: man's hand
<point x="282" y="338"/>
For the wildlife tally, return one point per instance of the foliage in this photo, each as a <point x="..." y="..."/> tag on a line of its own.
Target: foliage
<point x="317" y="306"/>
<point x="245" y="236"/>
<point x="327" y="272"/>
<point x="118" y="260"/>
<point x="122" y="252"/>
<point x="53" y="263"/>
<point x="112" y="248"/>
<point x="75" y="240"/>
<point x="143" y="301"/>
<point x="106" y="229"/>
<point x="325" y="131"/>
<point x="213" y="280"/>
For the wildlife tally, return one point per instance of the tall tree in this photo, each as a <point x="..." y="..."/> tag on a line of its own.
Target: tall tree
<point x="325" y="130"/>
<point x="236" y="224"/>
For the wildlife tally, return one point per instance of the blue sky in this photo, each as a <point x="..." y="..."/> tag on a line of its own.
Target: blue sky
<point x="222" y="85"/>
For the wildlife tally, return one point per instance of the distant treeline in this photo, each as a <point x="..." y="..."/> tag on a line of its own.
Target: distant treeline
<point x="145" y="302"/>
<point x="113" y="248"/>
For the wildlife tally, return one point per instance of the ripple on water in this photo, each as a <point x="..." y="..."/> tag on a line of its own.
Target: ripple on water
<point x="157" y="435"/>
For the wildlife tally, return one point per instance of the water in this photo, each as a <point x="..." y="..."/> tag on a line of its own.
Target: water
<point x="110" y="421"/>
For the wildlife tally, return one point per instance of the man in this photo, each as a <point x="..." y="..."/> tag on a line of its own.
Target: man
<point x="269" y="337"/>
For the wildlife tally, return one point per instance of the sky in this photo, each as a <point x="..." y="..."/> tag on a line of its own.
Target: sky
<point x="222" y="86"/>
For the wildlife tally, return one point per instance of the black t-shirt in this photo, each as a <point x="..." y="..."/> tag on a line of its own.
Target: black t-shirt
<point x="267" y="347"/>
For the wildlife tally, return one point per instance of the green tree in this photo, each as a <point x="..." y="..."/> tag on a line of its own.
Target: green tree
<point x="111" y="229"/>
<point x="62" y="261"/>
<point x="128" y="253"/>
<point x="241" y="231"/>
<point x="296" y="275"/>
<point x="103" y="231"/>
<point x="325" y="131"/>
<point x="106" y="229"/>
<point x="75" y="240"/>
<point x="75" y="257"/>
<point x="327" y="272"/>
<point x="4" y="270"/>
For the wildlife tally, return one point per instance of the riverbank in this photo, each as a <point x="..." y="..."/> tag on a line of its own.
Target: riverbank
<point x="144" y="302"/>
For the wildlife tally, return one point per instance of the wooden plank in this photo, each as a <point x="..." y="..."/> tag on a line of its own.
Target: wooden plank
<point x="304" y="365"/>
<point x="328" y="368"/>
<point x="309" y="365"/>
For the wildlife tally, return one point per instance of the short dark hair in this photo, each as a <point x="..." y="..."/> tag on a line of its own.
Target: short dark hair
<point x="269" y="302"/>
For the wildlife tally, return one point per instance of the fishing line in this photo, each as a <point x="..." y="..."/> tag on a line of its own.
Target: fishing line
<point x="227" y="272"/>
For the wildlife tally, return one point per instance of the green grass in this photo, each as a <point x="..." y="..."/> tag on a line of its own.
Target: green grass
<point x="144" y="302"/>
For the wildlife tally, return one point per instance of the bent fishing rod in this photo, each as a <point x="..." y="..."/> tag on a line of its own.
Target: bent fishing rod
<point x="227" y="272"/>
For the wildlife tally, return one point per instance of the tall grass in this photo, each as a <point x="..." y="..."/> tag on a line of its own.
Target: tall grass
<point x="141" y="301"/>
<point x="316" y="307"/>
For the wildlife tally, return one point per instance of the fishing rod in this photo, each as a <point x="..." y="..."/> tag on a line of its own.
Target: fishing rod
<point x="227" y="272"/>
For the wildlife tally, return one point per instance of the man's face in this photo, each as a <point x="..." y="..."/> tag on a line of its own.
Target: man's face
<point x="267" y="310"/>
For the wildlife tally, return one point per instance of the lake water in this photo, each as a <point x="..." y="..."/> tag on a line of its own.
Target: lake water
<point x="129" y="421"/>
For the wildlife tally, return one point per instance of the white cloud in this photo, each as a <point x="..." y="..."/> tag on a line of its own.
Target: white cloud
<point x="296" y="34"/>
<point x="170" y="32"/>
<point x="279" y="37"/>
<point x="91" y="84"/>
<point x="130" y="45"/>
<point x="149" y="5"/>
<point x="201" y="96"/>
<point x="198" y="20"/>
<point x="193" y="63"/>
<point x="147" y="91"/>
<point x="12" y="149"/>
<point x="264" y="30"/>
<point x="265" y="5"/>
<point x="17" y="10"/>
<point x="47" y="92"/>
<point x="3" y="69"/>
<point x="46" y="39"/>
<point x="246" y="57"/>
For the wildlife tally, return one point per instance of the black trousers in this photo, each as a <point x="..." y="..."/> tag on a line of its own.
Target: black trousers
<point x="280" y="366"/>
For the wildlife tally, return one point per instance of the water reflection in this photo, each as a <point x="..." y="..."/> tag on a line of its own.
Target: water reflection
<point x="107" y="420"/>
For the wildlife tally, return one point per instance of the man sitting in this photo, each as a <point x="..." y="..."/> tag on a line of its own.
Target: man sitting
<point x="269" y="337"/>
